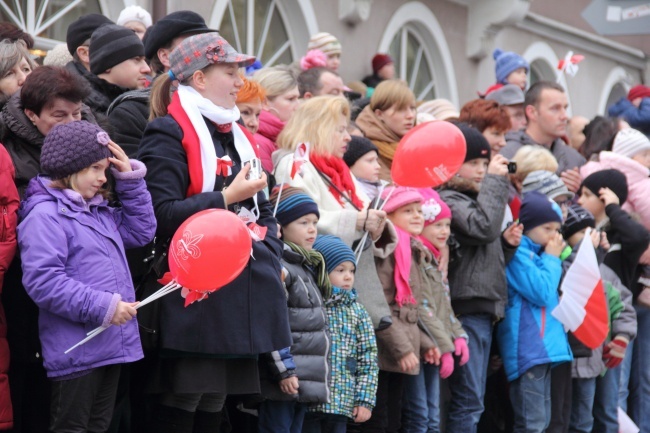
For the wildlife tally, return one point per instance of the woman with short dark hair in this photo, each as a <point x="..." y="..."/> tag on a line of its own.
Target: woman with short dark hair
<point x="50" y="96"/>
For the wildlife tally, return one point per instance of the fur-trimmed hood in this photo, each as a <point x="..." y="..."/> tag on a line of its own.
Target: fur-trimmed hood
<point x="462" y="185"/>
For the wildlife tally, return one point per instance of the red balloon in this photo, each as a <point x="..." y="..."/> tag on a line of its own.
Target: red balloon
<point x="428" y="155"/>
<point x="209" y="250"/>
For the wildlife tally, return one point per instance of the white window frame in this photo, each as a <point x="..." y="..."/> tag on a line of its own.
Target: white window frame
<point x="32" y="20"/>
<point x="617" y="75"/>
<point x="297" y="16"/>
<point x="423" y="24"/>
<point x="541" y="51"/>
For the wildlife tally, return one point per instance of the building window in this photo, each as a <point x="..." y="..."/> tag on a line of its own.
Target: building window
<point x="257" y="27"/>
<point x="46" y="20"/>
<point x="412" y="62"/>
<point x="415" y="40"/>
<point x="540" y="70"/>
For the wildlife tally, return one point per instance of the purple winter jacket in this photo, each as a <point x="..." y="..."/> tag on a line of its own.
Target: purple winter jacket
<point x="75" y="270"/>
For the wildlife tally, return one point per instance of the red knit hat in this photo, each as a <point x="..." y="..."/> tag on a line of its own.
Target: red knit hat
<point x="379" y="61"/>
<point x="639" y="91"/>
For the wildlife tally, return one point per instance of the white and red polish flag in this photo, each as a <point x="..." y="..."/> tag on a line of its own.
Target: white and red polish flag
<point x="300" y="156"/>
<point x="583" y="307"/>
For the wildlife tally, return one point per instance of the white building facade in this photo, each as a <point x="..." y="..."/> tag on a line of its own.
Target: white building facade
<point x="442" y="48"/>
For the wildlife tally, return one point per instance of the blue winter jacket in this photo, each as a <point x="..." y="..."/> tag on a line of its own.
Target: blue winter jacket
<point x="637" y="117"/>
<point x="529" y="335"/>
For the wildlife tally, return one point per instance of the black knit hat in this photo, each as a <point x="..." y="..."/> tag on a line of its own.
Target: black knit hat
<point x="110" y="45"/>
<point x="611" y="178"/>
<point x="537" y="209"/>
<point x="82" y="29"/>
<point x="171" y="26"/>
<point x="71" y="147"/>
<point x="477" y="145"/>
<point x="577" y="219"/>
<point x="357" y="147"/>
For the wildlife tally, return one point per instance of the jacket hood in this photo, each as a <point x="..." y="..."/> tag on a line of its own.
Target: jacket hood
<point x="462" y="185"/>
<point x="39" y="191"/>
<point x="278" y="155"/>
<point x="633" y="170"/>
<point x="521" y="137"/>
<point x="14" y="120"/>
<point x="341" y="296"/>
<point x="529" y="244"/>
<point x="270" y="125"/>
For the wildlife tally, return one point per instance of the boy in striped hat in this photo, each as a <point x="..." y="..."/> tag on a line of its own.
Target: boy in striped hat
<point x="297" y="376"/>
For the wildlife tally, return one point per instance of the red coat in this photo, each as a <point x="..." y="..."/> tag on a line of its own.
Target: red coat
<point x="8" y="220"/>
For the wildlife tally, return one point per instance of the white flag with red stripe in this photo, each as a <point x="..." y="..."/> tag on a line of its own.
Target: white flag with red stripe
<point x="583" y="307"/>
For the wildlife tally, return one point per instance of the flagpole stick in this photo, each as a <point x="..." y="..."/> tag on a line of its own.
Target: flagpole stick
<point x="277" y="201"/>
<point x="158" y="294"/>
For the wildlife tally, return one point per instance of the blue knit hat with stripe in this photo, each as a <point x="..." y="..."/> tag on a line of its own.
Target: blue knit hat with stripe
<point x="294" y="204"/>
<point x="334" y="251"/>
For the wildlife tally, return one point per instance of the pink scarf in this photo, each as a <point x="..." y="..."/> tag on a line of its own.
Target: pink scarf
<point x="403" y="293"/>
<point x="429" y="245"/>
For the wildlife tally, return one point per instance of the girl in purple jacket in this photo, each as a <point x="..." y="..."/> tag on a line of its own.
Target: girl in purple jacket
<point x="74" y="268"/>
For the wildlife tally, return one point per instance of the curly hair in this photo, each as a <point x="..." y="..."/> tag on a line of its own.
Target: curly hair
<point x="483" y="114"/>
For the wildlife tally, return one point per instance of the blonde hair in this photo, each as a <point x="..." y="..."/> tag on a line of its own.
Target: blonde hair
<point x="392" y="93"/>
<point x="315" y="121"/>
<point x="531" y="158"/>
<point x="276" y="80"/>
<point x="68" y="182"/>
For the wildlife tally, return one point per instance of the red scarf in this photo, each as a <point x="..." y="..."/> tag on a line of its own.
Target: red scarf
<point x="192" y="146"/>
<point x="339" y="174"/>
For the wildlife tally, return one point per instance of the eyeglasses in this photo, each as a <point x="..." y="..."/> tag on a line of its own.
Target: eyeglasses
<point x="565" y="203"/>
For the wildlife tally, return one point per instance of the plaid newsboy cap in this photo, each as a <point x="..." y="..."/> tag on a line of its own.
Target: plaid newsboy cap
<point x="199" y="51"/>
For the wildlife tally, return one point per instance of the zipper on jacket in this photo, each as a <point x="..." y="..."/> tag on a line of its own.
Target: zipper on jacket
<point x="543" y="324"/>
<point x="5" y="224"/>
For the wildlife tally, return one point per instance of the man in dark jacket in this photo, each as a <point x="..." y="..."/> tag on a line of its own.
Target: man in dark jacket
<point x="78" y="41"/>
<point x="545" y="107"/>
<point x="117" y="60"/>
<point x="128" y="114"/>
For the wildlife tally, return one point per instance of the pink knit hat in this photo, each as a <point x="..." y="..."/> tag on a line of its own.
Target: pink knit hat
<point x="433" y="208"/>
<point x="401" y="196"/>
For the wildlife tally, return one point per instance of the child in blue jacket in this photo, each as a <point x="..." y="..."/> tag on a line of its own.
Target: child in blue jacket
<point x="531" y="341"/>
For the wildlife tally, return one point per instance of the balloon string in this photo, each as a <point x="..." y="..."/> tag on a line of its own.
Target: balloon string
<point x="173" y="285"/>
<point x="359" y="249"/>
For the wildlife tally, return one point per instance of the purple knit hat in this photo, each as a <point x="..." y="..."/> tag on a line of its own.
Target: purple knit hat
<point x="401" y="196"/>
<point x="199" y="51"/>
<point x="70" y="148"/>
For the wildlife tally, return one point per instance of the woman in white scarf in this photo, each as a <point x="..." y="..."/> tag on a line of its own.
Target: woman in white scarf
<point x="197" y="158"/>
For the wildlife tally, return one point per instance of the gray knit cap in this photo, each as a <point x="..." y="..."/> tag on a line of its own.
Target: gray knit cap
<point x="547" y="183"/>
<point x="110" y="45"/>
<point x="71" y="147"/>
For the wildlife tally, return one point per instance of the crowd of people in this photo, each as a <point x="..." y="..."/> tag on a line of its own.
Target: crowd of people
<point x="365" y="306"/>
